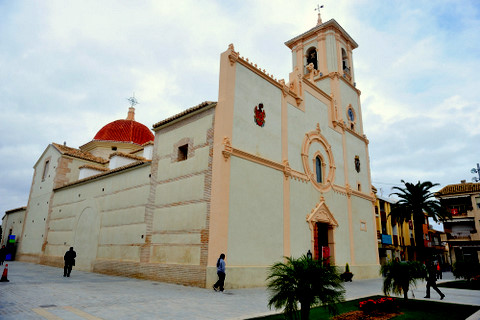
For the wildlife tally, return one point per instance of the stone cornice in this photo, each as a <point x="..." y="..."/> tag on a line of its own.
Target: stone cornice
<point x="229" y="151"/>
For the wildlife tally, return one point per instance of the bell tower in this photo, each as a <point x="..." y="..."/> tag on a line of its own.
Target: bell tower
<point x="323" y="57"/>
<point x="324" y="49"/>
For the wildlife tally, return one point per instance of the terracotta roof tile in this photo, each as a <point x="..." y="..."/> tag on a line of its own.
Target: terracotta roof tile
<point x="89" y="166"/>
<point x="76" y="153"/>
<point x="15" y="210"/>
<point x="202" y="105"/>
<point x="130" y="165"/>
<point x="469" y="187"/>
<point x="127" y="155"/>
<point x="125" y="131"/>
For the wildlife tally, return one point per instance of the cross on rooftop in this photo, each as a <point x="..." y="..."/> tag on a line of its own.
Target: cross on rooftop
<point x="319" y="21"/>
<point x="132" y="100"/>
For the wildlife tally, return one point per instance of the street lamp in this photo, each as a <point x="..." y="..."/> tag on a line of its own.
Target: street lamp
<point x="477" y="170"/>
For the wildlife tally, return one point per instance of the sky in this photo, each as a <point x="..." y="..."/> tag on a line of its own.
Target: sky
<point x="67" y="68"/>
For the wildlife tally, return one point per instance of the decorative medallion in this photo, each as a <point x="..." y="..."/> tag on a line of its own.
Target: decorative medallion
<point x="357" y="163"/>
<point x="259" y="115"/>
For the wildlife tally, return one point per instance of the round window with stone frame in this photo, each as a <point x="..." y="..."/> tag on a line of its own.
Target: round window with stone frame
<point x="318" y="161"/>
<point x="351" y="114"/>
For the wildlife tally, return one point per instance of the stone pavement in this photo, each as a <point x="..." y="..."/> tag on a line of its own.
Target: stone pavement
<point x="41" y="292"/>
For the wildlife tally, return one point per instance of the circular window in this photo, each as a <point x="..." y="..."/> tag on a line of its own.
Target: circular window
<point x="318" y="160"/>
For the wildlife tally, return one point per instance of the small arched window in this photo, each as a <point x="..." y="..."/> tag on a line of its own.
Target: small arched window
<point x="345" y="65"/>
<point x="318" y="169"/>
<point x="312" y="57"/>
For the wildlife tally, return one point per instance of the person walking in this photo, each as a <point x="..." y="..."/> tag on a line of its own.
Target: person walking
<point x="439" y="271"/>
<point x="432" y="281"/>
<point x="221" y="274"/>
<point x="3" y="254"/>
<point x="69" y="258"/>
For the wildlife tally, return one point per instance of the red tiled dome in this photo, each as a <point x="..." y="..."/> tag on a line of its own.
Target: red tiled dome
<point x="125" y="131"/>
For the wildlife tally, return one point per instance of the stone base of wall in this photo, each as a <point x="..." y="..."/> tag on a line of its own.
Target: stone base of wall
<point x="371" y="271"/>
<point x="52" y="261"/>
<point x="32" y="258"/>
<point x="239" y="277"/>
<point x="188" y="275"/>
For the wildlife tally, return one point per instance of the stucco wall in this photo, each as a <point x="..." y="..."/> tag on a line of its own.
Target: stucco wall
<point x="39" y="202"/>
<point x="101" y="219"/>
<point x="181" y="204"/>
<point x="356" y="147"/>
<point x="255" y="214"/>
<point x="250" y="91"/>
<point x="12" y="221"/>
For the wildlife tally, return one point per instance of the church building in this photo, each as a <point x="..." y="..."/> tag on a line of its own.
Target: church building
<point x="274" y="168"/>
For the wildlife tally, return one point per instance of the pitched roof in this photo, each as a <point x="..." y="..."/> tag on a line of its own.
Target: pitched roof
<point x="15" y="210"/>
<point x="203" y="105"/>
<point x="469" y="187"/>
<point x="77" y="153"/>
<point x="109" y="172"/>
<point x="330" y="23"/>
<point x="127" y="155"/>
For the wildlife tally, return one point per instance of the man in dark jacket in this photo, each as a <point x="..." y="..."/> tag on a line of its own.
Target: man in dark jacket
<point x="3" y="254"/>
<point x="432" y="281"/>
<point x="69" y="258"/>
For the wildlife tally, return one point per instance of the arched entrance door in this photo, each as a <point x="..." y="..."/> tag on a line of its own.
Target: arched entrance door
<point x="321" y="246"/>
<point x="86" y="239"/>
<point x="322" y="224"/>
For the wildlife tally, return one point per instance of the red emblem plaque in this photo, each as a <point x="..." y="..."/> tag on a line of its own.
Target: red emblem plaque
<point x="259" y="116"/>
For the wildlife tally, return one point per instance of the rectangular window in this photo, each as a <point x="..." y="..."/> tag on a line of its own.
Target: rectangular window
<point x="45" y="169"/>
<point x="382" y="205"/>
<point x="182" y="152"/>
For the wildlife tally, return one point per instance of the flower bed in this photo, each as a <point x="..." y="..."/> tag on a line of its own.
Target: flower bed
<point x="384" y="304"/>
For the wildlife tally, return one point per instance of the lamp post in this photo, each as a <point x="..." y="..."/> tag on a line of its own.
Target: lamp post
<point x="476" y="170"/>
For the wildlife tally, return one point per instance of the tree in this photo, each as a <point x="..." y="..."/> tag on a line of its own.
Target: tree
<point x="419" y="201"/>
<point x="399" y="276"/>
<point x="305" y="281"/>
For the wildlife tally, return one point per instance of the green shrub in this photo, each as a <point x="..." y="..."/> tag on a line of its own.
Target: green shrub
<point x="466" y="269"/>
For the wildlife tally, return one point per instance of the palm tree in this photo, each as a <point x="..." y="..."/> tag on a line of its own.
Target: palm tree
<point x="305" y="281"/>
<point x="417" y="200"/>
<point x="399" y="276"/>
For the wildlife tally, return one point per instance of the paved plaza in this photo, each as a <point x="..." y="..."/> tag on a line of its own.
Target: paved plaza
<point x="41" y="292"/>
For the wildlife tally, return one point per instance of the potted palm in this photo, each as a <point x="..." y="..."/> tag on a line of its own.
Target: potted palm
<point x="347" y="275"/>
<point x="399" y="277"/>
<point x="306" y="283"/>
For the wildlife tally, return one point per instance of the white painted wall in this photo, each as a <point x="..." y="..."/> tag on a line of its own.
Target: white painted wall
<point x="250" y="91"/>
<point x="38" y="204"/>
<point x="255" y="221"/>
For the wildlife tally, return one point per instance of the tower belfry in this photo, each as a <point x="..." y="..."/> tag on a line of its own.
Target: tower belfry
<point x="327" y="46"/>
<point x="322" y="56"/>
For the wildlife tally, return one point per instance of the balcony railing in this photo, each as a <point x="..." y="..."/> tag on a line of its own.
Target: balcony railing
<point x="459" y="236"/>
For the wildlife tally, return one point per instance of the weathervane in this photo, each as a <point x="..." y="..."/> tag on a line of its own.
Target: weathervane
<point x="319" y="21"/>
<point x="133" y="101"/>
<point x="476" y="170"/>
